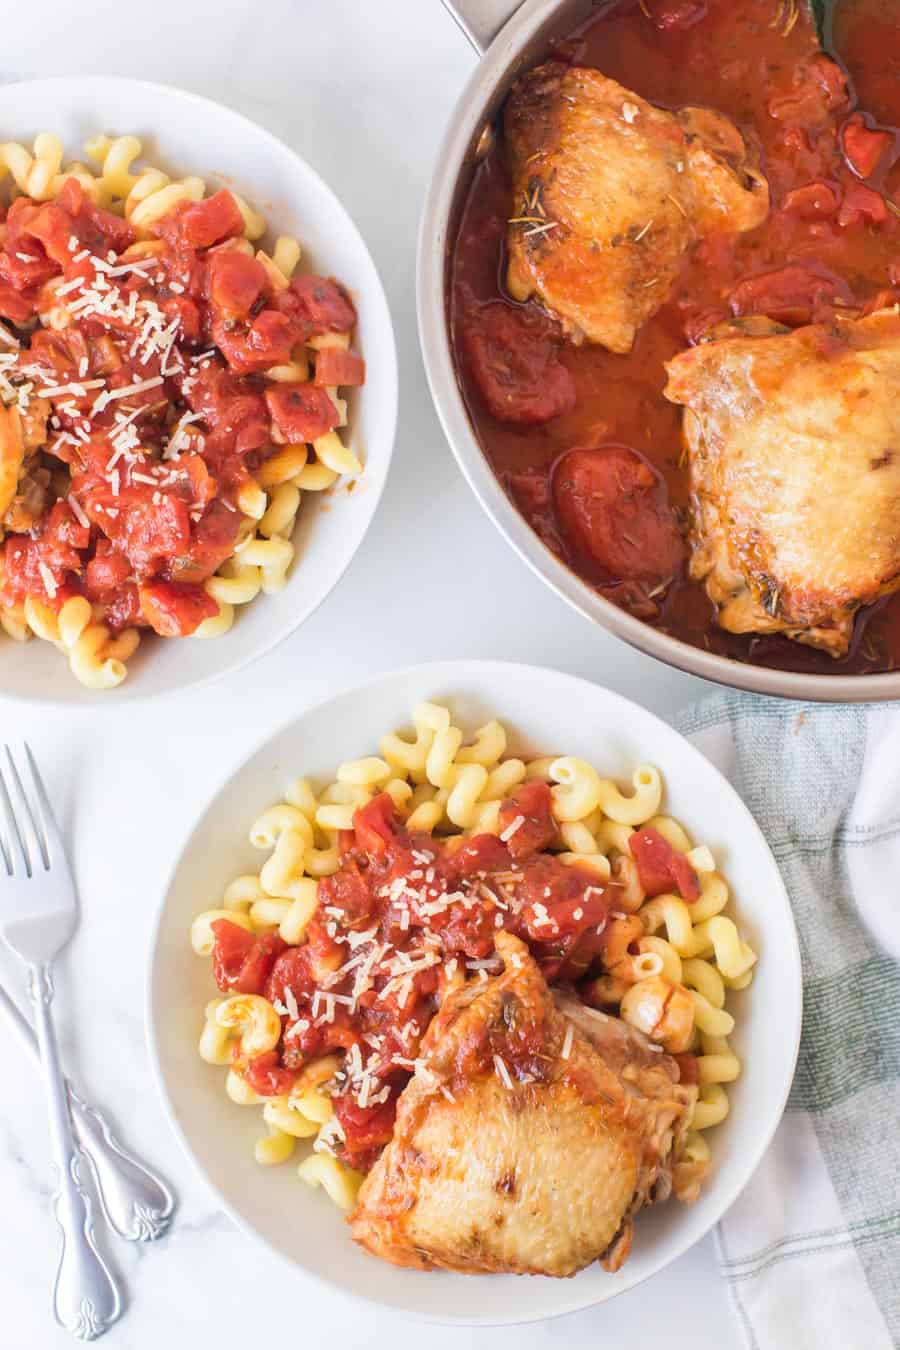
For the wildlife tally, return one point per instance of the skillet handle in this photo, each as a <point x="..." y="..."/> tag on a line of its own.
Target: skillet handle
<point x="481" y="20"/>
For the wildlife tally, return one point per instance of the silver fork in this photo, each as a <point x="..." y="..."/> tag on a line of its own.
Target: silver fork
<point x="38" y="915"/>
<point x="136" y="1202"/>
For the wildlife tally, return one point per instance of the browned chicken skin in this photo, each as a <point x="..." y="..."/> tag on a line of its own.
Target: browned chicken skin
<point x="23" y="484"/>
<point x="531" y="1134"/>
<point x="609" y="192"/>
<point x="12" y="456"/>
<point x="794" y="443"/>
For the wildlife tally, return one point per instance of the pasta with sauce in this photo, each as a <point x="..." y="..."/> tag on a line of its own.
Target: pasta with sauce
<point x="168" y="391"/>
<point x="382" y="899"/>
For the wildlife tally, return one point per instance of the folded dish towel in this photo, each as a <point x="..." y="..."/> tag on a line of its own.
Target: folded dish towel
<point x="811" y="1250"/>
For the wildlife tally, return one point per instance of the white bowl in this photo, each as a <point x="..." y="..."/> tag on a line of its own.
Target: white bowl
<point x="186" y="134"/>
<point x="543" y="711"/>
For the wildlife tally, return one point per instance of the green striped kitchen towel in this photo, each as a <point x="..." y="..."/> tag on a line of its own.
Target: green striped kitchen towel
<point x="811" y="1250"/>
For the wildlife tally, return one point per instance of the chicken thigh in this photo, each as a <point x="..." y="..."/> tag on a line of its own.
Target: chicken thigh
<point x="12" y="457"/>
<point x="23" y="482"/>
<point x="794" y="445"/>
<point x="609" y="192"/>
<point x="527" y="1139"/>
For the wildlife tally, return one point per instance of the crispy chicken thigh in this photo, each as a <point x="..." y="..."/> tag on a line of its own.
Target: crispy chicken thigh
<point x="608" y="194"/>
<point x="23" y="486"/>
<point x="529" y="1137"/>
<point x="12" y="456"/>
<point x="794" y="443"/>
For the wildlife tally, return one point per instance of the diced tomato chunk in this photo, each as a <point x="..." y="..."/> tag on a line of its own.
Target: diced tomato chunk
<point x="235" y="283"/>
<point x="614" y="513"/>
<point x="193" y="480"/>
<point x="147" y="531"/>
<point x="58" y="352"/>
<point x="864" y="147"/>
<point x="123" y="608"/>
<point x="213" y="538"/>
<point x="660" y="866"/>
<point x="270" y="338"/>
<point x="29" y="269"/>
<point x="820" y="87"/>
<point x="175" y="609"/>
<point x="232" y="944"/>
<point x="673" y="14"/>
<point x="23" y="262"/>
<point x="862" y="204"/>
<point x="258" y="964"/>
<point x="106" y="572"/>
<point x="268" y="342"/>
<point x="335" y="366"/>
<point x="365" y="1127"/>
<point x="375" y="825"/>
<point x="189" y="321"/>
<point x="349" y="892"/>
<point x="481" y="853"/>
<point x="320" y="303"/>
<point x="64" y="532"/>
<point x="243" y="962"/>
<point x="301" y="412"/>
<point x="96" y="228"/>
<point x="210" y="221"/>
<point x="291" y="971"/>
<point x="49" y="225"/>
<point x="235" y="411"/>
<point x="15" y="305"/>
<point x="110" y="230"/>
<point x="526" y="819"/>
<point x="53" y="552"/>
<point x="22" y="573"/>
<point x="813" y="201"/>
<point x="268" y="1077"/>
<point x="516" y="365"/>
<point x="795" y="294"/>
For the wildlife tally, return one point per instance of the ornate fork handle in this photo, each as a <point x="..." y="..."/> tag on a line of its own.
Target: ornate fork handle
<point x="86" y="1299"/>
<point x="135" y="1202"/>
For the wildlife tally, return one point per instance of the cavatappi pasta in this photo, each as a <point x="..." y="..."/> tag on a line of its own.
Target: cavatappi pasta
<point x="670" y="959"/>
<point x="169" y="390"/>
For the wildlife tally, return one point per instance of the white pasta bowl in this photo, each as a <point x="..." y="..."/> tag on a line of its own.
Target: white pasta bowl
<point x="543" y="711"/>
<point x="186" y="134"/>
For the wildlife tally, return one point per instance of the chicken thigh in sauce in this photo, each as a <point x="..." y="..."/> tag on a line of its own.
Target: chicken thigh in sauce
<point x="609" y="193"/>
<point x="531" y="1133"/>
<point x="794" y="446"/>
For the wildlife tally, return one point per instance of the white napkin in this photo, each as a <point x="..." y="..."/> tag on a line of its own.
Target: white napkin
<point x="811" y="1250"/>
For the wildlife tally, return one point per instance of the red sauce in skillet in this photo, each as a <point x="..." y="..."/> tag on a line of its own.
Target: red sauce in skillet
<point x="832" y="240"/>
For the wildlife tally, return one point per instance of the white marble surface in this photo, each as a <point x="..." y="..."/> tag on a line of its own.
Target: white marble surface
<point x="362" y="90"/>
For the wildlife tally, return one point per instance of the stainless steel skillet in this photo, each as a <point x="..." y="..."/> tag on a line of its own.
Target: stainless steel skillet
<point x="509" y="37"/>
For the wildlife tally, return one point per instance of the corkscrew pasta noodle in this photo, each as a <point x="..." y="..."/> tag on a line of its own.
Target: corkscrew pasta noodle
<point x="668" y="964"/>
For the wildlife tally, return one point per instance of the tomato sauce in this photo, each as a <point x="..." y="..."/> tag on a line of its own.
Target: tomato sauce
<point x="144" y="409"/>
<point x="405" y="918"/>
<point x="826" y="128"/>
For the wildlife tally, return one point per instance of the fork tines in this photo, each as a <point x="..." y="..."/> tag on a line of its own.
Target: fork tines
<point x="30" y="835"/>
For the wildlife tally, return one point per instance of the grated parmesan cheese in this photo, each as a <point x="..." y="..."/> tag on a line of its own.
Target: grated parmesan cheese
<point x="77" y="510"/>
<point x="48" y="579"/>
<point x="503" y="1072"/>
<point x="512" y="829"/>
